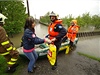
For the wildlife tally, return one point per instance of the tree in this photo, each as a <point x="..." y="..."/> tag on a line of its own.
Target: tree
<point x="45" y="18"/>
<point x="80" y="21"/>
<point x="86" y="18"/>
<point x="96" y="21"/>
<point x="15" y="12"/>
<point x="67" y="20"/>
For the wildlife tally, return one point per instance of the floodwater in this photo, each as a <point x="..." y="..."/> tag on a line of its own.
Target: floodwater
<point x="40" y="30"/>
<point x="89" y="45"/>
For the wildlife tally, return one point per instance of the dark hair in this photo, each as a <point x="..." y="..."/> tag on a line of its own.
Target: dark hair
<point x="28" y="23"/>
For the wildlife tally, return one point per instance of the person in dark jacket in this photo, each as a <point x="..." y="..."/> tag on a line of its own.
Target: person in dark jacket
<point x="7" y="48"/>
<point x="56" y="32"/>
<point x="29" y="40"/>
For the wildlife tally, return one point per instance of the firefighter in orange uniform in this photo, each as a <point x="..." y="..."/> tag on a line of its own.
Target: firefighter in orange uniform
<point x="6" y="47"/>
<point x="72" y="32"/>
<point x="55" y="33"/>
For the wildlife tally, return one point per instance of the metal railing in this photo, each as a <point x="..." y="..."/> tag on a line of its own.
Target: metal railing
<point x="85" y="34"/>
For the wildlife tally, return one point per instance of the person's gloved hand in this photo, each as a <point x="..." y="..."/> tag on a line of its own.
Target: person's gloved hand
<point x="54" y="39"/>
<point x="48" y="40"/>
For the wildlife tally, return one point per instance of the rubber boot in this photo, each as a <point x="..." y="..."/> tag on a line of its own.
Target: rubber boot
<point x="54" y="67"/>
<point x="15" y="65"/>
<point x="11" y="69"/>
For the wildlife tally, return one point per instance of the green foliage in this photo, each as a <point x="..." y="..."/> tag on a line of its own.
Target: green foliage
<point x="86" y="18"/>
<point x="45" y="18"/>
<point x="96" y="21"/>
<point x="67" y="20"/>
<point x="80" y="21"/>
<point x="15" y="12"/>
<point x="83" y="21"/>
<point x="3" y="65"/>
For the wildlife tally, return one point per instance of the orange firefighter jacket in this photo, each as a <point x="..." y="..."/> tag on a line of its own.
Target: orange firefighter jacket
<point x="72" y="31"/>
<point x="51" y="27"/>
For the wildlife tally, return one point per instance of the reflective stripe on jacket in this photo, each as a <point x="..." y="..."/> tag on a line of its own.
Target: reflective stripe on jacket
<point x="5" y="43"/>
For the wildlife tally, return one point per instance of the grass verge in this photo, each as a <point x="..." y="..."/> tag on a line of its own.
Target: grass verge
<point x="89" y="56"/>
<point x="3" y="65"/>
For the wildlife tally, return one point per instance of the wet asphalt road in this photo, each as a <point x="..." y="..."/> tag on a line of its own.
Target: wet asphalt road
<point x="73" y="63"/>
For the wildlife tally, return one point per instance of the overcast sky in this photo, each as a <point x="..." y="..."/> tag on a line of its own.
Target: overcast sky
<point x="63" y="7"/>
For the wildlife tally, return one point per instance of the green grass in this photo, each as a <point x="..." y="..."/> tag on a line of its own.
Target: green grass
<point x="89" y="56"/>
<point x="3" y="65"/>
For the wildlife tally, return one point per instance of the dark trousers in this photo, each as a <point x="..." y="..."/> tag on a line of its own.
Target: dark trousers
<point x="71" y="43"/>
<point x="64" y="40"/>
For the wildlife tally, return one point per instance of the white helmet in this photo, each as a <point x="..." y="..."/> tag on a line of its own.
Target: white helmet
<point x="53" y="14"/>
<point x="2" y="18"/>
